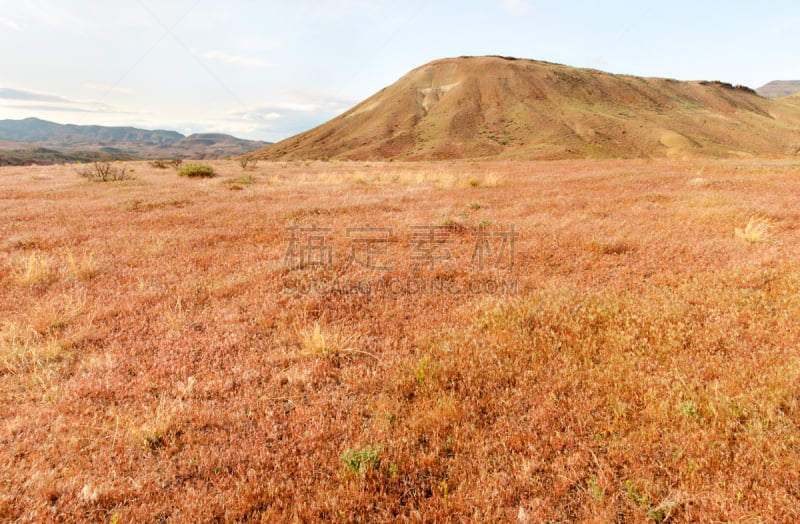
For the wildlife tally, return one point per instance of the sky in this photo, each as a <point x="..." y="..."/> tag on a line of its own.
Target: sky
<point x="267" y="70"/>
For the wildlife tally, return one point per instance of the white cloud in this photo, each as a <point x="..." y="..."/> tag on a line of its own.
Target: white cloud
<point x="21" y="99"/>
<point x="10" y="24"/>
<point x="277" y="121"/>
<point x="243" y="61"/>
<point x="9" y="92"/>
<point x="314" y="100"/>
<point x="111" y="89"/>
<point x="517" y="7"/>
<point x="293" y="111"/>
<point x="261" y="114"/>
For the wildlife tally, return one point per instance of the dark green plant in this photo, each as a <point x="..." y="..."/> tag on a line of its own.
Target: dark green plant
<point x="197" y="171"/>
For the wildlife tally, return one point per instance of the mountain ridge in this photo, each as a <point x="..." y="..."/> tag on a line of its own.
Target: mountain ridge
<point x="27" y="136"/>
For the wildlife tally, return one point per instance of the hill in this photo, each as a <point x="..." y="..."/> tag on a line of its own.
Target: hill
<point x="44" y="157"/>
<point x="38" y="141"/>
<point x="504" y="107"/>
<point x="793" y="99"/>
<point x="779" y="88"/>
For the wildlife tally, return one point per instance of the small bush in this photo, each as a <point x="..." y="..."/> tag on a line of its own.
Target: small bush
<point x="197" y="170"/>
<point x="105" y="172"/>
<point x="248" y="163"/>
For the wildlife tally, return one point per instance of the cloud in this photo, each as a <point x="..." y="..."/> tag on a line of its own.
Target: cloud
<point x="517" y="7"/>
<point x="261" y="114"/>
<point x="292" y="112"/>
<point x="243" y="61"/>
<point x="10" y="24"/>
<point x="28" y="100"/>
<point x="276" y="121"/>
<point x="273" y="123"/>
<point x="111" y="89"/>
<point x="314" y="100"/>
<point x="7" y="93"/>
<point x="52" y="108"/>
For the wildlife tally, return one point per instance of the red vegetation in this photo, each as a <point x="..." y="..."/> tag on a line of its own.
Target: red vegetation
<point x="151" y="366"/>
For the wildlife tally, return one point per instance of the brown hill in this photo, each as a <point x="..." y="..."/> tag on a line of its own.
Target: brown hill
<point x="779" y="88"/>
<point x="492" y="106"/>
<point x="794" y="99"/>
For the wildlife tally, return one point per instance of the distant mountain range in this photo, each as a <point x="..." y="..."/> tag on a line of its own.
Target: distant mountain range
<point x="779" y="88"/>
<point x="35" y="141"/>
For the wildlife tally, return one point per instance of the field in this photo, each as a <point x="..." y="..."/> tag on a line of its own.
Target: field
<point x="170" y="348"/>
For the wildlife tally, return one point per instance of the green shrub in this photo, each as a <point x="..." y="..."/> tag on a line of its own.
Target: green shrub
<point x="197" y="170"/>
<point x="360" y="461"/>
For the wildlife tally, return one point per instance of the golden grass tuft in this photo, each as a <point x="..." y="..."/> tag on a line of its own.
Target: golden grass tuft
<point x="756" y="230"/>
<point x="83" y="268"/>
<point x="313" y="340"/>
<point x="150" y="430"/>
<point x="22" y="348"/>
<point x="47" y="319"/>
<point x="36" y="270"/>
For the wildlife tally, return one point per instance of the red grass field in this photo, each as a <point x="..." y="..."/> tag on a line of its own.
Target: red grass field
<point x="644" y="368"/>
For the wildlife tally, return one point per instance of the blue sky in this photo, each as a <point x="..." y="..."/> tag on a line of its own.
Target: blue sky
<point x="267" y="70"/>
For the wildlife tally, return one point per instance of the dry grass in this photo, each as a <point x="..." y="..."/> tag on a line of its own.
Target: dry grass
<point x="152" y="366"/>
<point x="756" y="230"/>
<point x="242" y="181"/>
<point x="35" y="270"/>
<point x="401" y="174"/>
<point x="23" y="348"/>
<point x="53" y="317"/>
<point x="154" y="427"/>
<point x="83" y="268"/>
<point x="37" y="341"/>
<point x="314" y="342"/>
<point x="326" y="341"/>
